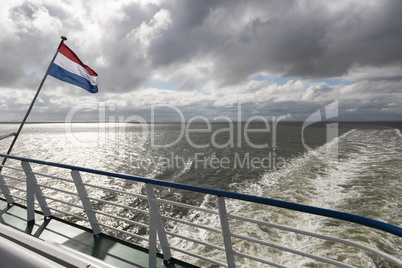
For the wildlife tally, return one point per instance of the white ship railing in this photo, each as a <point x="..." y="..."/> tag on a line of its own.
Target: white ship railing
<point x="158" y="236"/>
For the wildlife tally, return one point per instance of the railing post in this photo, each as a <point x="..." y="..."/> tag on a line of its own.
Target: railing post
<point x="156" y="226"/>
<point x="82" y="192"/>
<point x="32" y="191"/>
<point x="227" y="240"/>
<point x="5" y="190"/>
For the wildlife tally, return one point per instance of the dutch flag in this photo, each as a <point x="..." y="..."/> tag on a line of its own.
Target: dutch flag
<point x="69" y="68"/>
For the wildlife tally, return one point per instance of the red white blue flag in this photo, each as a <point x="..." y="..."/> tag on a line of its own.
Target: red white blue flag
<point x="69" y="68"/>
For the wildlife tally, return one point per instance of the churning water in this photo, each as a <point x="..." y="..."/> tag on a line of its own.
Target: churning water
<point x="357" y="172"/>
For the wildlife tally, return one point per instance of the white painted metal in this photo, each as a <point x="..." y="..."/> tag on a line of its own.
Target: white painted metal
<point x="5" y="190"/>
<point x="298" y="252"/>
<point x="58" y="189"/>
<point x="82" y="192"/>
<point x="34" y="190"/>
<point x="186" y="252"/>
<point x="11" y="167"/>
<point x="63" y="202"/>
<point x="119" y="205"/>
<point x="19" y="198"/>
<point x="116" y="191"/>
<point x="259" y="260"/>
<point x="226" y="232"/>
<point x="69" y="214"/>
<point x="14" y="178"/>
<point x="52" y="177"/>
<point x="192" y="224"/>
<point x="324" y="237"/>
<point x="182" y="205"/>
<point x="156" y="224"/>
<point x="13" y="255"/>
<point x="121" y="219"/>
<point x="196" y="241"/>
<point x="120" y="231"/>
<point x="156" y="227"/>
<point x="16" y="188"/>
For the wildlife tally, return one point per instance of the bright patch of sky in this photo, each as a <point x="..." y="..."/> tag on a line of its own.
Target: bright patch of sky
<point x="171" y="84"/>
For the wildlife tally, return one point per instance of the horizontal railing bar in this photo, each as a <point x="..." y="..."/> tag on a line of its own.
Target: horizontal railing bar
<point x="10" y="167"/>
<point x="16" y="188"/>
<point x="191" y="224"/>
<point x="249" y="198"/>
<point x="277" y="226"/>
<point x="199" y="257"/>
<point x="64" y="202"/>
<point x="122" y="231"/>
<point x="58" y="189"/>
<point x="196" y="241"/>
<point x="255" y="199"/>
<point x="116" y="190"/>
<point x="51" y="176"/>
<point x="294" y="251"/>
<point x="122" y="219"/>
<point x="69" y="214"/>
<point x="324" y="237"/>
<point x="14" y="178"/>
<point x="17" y="197"/>
<point x="210" y="211"/>
<point x="119" y="205"/>
<point x="258" y="259"/>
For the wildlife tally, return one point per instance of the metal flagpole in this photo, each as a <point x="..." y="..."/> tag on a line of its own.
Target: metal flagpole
<point x="63" y="38"/>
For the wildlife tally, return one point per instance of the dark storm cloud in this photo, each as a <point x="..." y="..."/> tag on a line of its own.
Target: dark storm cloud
<point x="305" y="39"/>
<point x="295" y="38"/>
<point x="210" y="49"/>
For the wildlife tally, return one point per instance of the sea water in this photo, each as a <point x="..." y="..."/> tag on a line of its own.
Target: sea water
<point x="358" y="171"/>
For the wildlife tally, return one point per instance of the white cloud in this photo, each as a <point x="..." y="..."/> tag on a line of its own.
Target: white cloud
<point x="207" y="54"/>
<point x="359" y="73"/>
<point x="367" y="87"/>
<point x="149" y="31"/>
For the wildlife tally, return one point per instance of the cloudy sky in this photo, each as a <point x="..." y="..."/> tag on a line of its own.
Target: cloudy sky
<point x="206" y="58"/>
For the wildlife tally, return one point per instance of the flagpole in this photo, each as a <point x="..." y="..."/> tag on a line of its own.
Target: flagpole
<point x="63" y="38"/>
